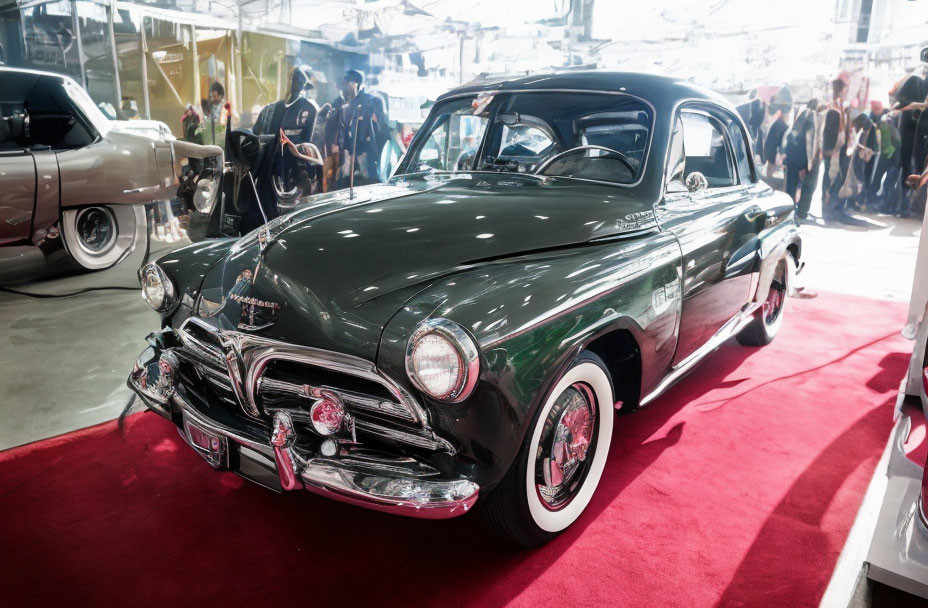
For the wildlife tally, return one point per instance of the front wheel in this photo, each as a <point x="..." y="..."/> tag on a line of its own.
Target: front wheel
<point x="561" y="459"/>
<point x="769" y="317"/>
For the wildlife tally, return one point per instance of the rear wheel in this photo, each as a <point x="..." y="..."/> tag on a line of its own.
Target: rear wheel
<point x="99" y="237"/>
<point x="561" y="460"/>
<point x="769" y="317"/>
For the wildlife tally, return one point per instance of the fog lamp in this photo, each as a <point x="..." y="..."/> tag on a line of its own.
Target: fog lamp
<point x="327" y="414"/>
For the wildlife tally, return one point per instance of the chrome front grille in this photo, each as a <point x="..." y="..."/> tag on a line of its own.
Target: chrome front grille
<point x="203" y="352"/>
<point x="261" y="376"/>
<point x="278" y="386"/>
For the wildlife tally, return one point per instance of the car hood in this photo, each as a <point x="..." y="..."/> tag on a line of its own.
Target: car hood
<point x="333" y="272"/>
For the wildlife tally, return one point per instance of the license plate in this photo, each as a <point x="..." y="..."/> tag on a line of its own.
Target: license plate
<point x="212" y="446"/>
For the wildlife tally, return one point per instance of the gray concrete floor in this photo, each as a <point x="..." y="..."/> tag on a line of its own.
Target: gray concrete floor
<point x="64" y="362"/>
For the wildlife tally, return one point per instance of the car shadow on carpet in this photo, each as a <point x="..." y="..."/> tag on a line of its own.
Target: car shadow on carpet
<point x="794" y="553"/>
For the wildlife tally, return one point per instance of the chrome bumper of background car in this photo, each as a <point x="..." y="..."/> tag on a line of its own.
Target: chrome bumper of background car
<point x="898" y="554"/>
<point x="375" y="480"/>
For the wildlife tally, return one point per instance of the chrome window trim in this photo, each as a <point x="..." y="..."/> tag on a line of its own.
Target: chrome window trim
<point x="494" y="92"/>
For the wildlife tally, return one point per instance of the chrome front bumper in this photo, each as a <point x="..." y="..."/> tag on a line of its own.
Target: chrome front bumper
<point x="375" y="480"/>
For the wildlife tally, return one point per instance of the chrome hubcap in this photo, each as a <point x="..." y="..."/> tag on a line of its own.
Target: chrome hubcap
<point x="564" y="451"/>
<point x="95" y="229"/>
<point x="774" y="302"/>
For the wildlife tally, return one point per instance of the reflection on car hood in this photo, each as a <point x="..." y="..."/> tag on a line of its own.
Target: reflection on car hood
<point x="335" y="270"/>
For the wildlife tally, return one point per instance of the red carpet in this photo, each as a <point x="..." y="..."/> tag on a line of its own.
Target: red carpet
<point x="737" y="488"/>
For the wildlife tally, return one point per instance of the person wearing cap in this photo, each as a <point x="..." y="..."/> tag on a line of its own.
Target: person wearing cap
<point x="359" y="115"/>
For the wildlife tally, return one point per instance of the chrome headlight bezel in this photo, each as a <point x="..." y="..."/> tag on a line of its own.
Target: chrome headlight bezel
<point x="464" y="346"/>
<point x="152" y="271"/>
<point x="205" y="194"/>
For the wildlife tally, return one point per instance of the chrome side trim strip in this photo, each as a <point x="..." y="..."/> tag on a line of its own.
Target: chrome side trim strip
<point x="731" y="327"/>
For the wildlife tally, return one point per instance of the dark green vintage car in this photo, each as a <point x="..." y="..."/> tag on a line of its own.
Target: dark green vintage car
<point x="550" y="250"/>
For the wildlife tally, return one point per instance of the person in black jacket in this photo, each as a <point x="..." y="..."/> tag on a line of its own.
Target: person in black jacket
<point x="798" y="149"/>
<point x="295" y="117"/>
<point x="773" y="142"/>
<point x="359" y="115"/>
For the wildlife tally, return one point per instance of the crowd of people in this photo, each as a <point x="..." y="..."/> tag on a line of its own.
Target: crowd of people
<point x="861" y="161"/>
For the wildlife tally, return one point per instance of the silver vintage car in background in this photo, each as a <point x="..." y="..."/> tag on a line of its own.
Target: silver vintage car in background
<point x="73" y="184"/>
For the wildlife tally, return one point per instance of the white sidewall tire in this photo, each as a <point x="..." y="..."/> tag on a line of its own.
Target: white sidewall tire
<point x="131" y="231"/>
<point x="594" y="376"/>
<point x="773" y="329"/>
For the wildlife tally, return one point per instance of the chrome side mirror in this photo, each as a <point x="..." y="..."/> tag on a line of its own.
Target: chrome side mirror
<point x="696" y="181"/>
<point x="924" y="55"/>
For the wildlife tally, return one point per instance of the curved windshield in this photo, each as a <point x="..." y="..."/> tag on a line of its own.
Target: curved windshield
<point x="596" y="136"/>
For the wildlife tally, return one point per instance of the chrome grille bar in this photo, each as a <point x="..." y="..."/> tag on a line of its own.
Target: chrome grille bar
<point x="271" y="387"/>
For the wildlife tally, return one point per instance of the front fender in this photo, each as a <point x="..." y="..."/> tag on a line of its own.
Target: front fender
<point x="187" y="267"/>
<point x="531" y="317"/>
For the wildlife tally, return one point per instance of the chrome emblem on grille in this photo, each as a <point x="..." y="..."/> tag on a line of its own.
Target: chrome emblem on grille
<point x="235" y="367"/>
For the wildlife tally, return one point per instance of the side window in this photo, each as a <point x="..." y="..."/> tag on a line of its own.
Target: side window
<point x="13" y="123"/>
<point x="739" y="142"/>
<point x="706" y="150"/>
<point x="53" y="119"/>
<point x="12" y="127"/>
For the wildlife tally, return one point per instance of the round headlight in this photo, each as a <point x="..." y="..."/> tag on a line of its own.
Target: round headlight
<point x="205" y="194"/>
<point x="442" y="360"/>
<point x="157" y="288"/>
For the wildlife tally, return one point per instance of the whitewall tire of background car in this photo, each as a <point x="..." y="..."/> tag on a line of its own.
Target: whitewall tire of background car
<point x="101" y="236"/>
<point x="561" y="460"/>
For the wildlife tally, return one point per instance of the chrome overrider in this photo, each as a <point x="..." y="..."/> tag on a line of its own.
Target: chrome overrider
<point x="377" y="480"/>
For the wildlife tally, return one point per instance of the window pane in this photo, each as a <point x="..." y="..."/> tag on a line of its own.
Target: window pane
<point x="706" y="150"/>
<point x="453" y="141"/>
<point x="595" y="136"/>
<point x="739" y="142"/>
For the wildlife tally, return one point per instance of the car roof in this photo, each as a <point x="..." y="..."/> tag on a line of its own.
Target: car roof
<point x="658" y="90"/>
